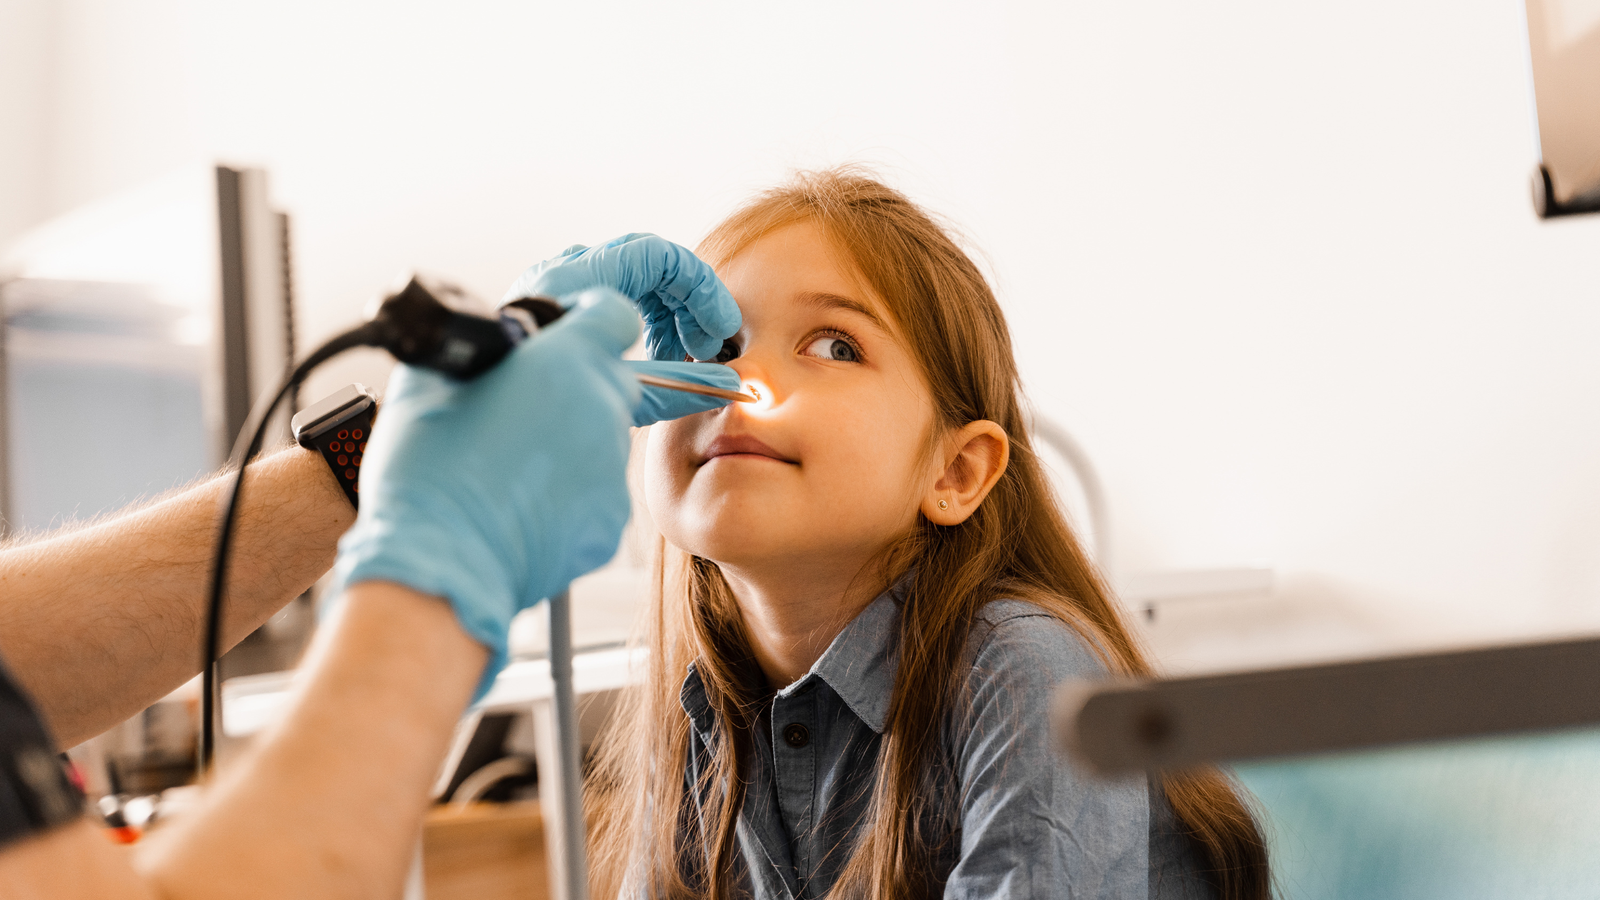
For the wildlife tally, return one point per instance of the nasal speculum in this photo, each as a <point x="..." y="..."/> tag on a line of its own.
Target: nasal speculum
<point x="689" y="387"/>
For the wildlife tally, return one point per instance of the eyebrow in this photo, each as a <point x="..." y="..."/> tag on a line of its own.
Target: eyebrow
<point x="825" y="300"/>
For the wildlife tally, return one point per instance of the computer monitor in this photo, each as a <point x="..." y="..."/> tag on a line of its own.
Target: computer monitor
<point x="137" y="333"/>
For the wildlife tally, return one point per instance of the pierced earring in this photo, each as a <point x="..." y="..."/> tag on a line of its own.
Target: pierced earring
<point x="943" y="505"/>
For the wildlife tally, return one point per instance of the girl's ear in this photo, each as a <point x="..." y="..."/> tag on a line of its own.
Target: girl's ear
<point x="975" y="457"/>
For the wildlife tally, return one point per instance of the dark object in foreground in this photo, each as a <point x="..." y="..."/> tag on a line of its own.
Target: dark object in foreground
<point x="1176" y="723"/>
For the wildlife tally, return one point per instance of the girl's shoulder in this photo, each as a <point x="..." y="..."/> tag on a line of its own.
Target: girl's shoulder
<point x="999" y="731"/>
<point x="1018" y="641"/>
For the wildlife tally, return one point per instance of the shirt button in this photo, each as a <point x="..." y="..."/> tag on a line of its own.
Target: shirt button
<point x="796" y="735"/>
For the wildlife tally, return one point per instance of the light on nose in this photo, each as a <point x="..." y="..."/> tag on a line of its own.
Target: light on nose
<point x="762" y="394"/>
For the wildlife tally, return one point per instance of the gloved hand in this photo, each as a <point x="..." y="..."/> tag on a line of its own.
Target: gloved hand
<point x="684" y="304"/>
<point x="497" y="492"/>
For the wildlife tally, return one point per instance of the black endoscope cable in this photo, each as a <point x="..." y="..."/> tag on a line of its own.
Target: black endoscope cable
<point x="245" y="448"/>
<point x="428" y="324"/>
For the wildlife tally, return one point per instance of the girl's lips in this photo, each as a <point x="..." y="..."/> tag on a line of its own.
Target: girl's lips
<point x="741" y="445"/>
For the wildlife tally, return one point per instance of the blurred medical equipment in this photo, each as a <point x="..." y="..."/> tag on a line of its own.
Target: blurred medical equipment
<point x="1173" y="723"/>
<point x="170" y="302"/>
<point x="1083" y="498"/>
<point x="1170" y="723"/>
<point x="1078" y="465"/>
<point x="1564" y="56"/>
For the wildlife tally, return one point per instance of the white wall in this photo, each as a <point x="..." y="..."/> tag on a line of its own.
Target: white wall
<point x="26" y="35"/>
<point x="1273" y="263"/>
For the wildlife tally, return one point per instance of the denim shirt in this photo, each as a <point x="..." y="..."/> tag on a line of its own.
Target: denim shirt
<point x="1031" y="824"/>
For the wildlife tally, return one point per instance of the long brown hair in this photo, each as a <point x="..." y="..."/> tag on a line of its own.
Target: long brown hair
<point x="1017" y="544"/>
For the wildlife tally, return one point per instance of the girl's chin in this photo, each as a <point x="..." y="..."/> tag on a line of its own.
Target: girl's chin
<point x="732" y="542"/>
<point x="726" y="549"/>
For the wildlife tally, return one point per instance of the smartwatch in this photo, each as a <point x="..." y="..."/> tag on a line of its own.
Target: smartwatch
<point x="337" y="427"/>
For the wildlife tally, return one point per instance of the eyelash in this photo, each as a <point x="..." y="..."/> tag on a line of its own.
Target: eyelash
<point x="731" y="349"/>
<point x="836" y="334"/>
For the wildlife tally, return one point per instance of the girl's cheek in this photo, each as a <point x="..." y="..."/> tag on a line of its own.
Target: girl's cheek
<point x="669" y="440"/>
<point x="669" y="463"/>
<point x="658" y="452"/>
<point x="663" y="492"/>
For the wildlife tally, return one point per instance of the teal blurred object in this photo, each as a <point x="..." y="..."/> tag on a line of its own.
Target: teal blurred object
<point x="1515" y="817"/>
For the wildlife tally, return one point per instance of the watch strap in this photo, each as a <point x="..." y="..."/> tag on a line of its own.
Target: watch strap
<point x="337" y="428"/>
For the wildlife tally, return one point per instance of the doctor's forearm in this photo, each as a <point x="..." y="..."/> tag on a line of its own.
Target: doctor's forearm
<point x="329" y="803"/>
<point x="100" y="622"/>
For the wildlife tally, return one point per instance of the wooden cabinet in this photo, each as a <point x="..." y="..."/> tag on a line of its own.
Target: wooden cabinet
<point x="485" y="852"/>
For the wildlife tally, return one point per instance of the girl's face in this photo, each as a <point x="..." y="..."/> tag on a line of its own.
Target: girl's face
<point x="830" y="466"/>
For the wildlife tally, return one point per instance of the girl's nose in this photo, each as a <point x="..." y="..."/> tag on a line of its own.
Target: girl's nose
<point x="757" y="379"/>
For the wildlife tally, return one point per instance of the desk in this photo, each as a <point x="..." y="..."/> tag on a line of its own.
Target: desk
<point x="485" y="852"/>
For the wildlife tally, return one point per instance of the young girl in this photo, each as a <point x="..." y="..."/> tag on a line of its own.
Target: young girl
<point x="869" y="594"/>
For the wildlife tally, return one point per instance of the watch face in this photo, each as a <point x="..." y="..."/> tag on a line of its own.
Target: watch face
<point x="343" y="404"/>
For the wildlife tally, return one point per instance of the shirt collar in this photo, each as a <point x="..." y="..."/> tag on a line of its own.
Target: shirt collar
<point x="859" y="665"/>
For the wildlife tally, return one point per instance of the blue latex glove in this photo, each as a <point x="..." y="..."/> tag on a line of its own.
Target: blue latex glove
<point x="685" y="306"/>
<point x="660" y="404"/>
<point x="497" y="492"/>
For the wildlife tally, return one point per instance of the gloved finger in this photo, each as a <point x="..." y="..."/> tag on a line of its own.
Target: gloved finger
<point x="661" y="334"/>
<point x="645" y="265"/>
<point x="574" y="250"/>
<point x="695" y="340"/>
<point x="705" y="310"/>
<point x="670" y="282"/>
<point x="713" y="305"/>
<point x="659" y="276"/>
<point x="659" y="404"/>
<point x="602" y="316"/>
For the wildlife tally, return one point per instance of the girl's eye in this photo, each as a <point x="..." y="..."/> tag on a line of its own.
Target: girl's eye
<point x="833" y="347"/>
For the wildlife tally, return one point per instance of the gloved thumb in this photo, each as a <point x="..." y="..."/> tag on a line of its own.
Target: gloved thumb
<point x="603" y="317"/>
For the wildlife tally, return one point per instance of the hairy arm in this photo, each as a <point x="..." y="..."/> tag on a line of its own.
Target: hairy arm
<point x="327" y="805"/>
<point x="100" y="622"/>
